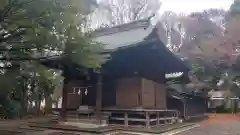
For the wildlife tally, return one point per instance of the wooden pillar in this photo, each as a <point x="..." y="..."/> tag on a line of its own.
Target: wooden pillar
<point x="99" y="98"/>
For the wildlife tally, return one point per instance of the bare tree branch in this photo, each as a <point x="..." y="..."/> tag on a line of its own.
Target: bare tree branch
<point x="116" y="12"/>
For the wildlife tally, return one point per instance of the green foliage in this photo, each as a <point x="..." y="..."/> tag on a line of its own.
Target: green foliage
<point x="9" y="107"/>
<point x="196" y="68"/>
<point x="206" y="72"/>
<point x="29" y="32"/>
<point x="56" y="26"/>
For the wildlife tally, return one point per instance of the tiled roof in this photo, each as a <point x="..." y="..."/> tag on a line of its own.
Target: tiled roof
<point x="121" y="28"/>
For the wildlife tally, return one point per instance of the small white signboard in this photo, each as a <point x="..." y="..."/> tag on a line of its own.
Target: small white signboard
<point x="173" y="75"/>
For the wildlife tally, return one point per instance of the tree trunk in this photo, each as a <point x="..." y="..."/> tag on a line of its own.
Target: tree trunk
<point x="64" y="98"/>
<point x="24" y="100"/>
<point x="38" y="105"/>
<point x="57" y="103"/>
<point x="48" y="106"/>
<point x="38" y="108"/>
<point x="99" y="98"/>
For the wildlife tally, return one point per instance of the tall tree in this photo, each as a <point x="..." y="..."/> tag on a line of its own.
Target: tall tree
<point x="221" y="53"/>
<point x="28" y="33"/>
<point x="55" y="27"/>
<point x="235" y="8"/>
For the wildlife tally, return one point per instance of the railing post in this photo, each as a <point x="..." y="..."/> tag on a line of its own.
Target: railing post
<point x="157" y="118"/>
<point x="147" y="120"/>
<point x="173" y="117"/>
<point x="125" y="119"/>
<point x="165" y="120"/>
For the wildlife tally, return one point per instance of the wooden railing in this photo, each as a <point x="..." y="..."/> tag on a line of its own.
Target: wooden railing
<point x="147" y="117"/>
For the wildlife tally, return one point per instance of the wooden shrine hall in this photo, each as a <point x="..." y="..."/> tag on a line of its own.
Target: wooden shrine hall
<point x="130" y="88"/>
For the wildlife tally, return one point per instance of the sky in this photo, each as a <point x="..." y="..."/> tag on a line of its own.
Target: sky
<point x="187" y="6"/>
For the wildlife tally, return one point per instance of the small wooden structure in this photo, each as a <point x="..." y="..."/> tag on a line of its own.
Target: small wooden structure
<point x="131" y="85"/>
<point x="190" y="105"/>
<point x="223" y="101"/>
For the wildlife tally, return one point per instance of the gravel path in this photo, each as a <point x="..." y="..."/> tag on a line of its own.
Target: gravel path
<point x="217" y="126"/>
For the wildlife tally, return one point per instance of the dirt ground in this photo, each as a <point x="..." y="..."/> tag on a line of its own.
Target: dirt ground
<point x="221" y="124"/>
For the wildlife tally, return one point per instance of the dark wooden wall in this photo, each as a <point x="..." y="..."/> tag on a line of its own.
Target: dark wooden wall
<point x="175" y="104"/>
<point x="196" y="106"/>
<point x="137" y="91"/>
<point x="123" y="92"/>
<point x="109" y="92"/>
<point x="128" y="92"/>
<point x="160" y="96"/>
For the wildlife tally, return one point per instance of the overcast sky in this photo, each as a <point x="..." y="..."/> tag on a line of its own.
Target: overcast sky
<point x="187" y="6"/>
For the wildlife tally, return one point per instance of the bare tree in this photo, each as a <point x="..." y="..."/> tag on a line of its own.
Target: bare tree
<point x="185" y="31"/>
<point x="174" y="31"/>
<point x="116" y="12"/>
<point x="223" y="48"/>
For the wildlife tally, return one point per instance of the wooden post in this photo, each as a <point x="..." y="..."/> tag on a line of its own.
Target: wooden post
<point x="99" y="98"/>
<point x="237" y="104"/>
<point x="147" y="120"/>
<point x="232" y="105"/>
<point x="125" y="119"/>
<point x="158" y="118"/>
<point x="206" y="106"/>
<point x="165" y="120"/>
